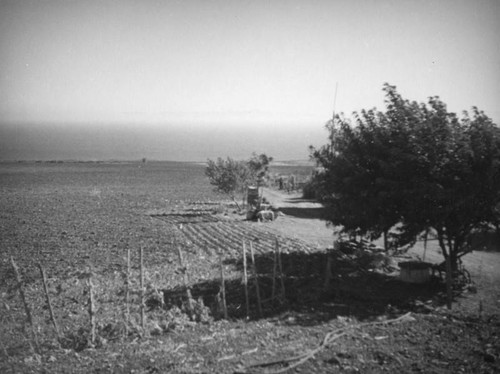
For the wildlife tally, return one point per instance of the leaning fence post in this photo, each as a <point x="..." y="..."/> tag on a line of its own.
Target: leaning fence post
<point x="280" y="268"/>
<point x="141" y="262"/>
<point x="275" y="265"/>
<point x="245" y="279"/>
<point x="223" y="286"/>
<point x="127" y="293"/>
<point x="186" y="278"/>
<point x="256" y="280"/>
<point x="26" y="306"/>
<point x="92" y="308"/>
<point x="49" y="304"/>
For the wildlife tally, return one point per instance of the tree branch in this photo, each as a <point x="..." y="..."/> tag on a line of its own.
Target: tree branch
<point x="329" y="338"/>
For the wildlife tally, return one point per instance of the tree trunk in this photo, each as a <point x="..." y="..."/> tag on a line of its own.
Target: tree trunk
<point x="237" y="205"/>
<point x="453" y="260"/>
<point x="449" y="283"/>
<point x="453" y="253"/>
<point x="449" y="272"/>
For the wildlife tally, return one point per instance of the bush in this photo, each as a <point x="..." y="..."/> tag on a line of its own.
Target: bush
<point x="313" y="188"/>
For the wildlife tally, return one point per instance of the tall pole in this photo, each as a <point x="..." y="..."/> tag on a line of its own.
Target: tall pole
<point x="335" y="101"/>
<point x="333" y="113"/>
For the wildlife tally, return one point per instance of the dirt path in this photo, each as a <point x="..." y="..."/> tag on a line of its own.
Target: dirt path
<point x="301" y="219"/>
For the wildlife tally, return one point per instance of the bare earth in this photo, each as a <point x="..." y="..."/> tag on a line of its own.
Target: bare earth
<point x="81" y="220"/>
<point x="300" y="219"/>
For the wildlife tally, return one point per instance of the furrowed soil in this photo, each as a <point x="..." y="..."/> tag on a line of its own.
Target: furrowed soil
<point x="79" y="221"/>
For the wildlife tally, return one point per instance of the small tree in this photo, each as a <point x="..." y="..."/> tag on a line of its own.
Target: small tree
<point x="258" y="166"/>
<point x="416" y="167"/>
<point x="228" y="176"/>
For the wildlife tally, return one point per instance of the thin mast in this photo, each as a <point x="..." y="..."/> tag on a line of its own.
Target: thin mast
<point x="335" y="101"/>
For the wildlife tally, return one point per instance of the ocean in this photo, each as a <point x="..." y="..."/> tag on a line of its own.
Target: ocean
<point x="172" y="142"/>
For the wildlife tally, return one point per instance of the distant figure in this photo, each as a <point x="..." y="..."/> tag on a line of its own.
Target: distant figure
<point x="291" y="183"/>
<point x="280" y="182"/>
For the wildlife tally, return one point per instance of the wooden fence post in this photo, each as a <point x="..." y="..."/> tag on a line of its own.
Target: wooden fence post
<point x="280" y="268"/>
<point x="92" y="308"/>
<point x="275" y="266"/>
<point x="223" y="286"/>
<point x="49" y="304"/>
<point x="245" y="279"/>
<point x="143" y="306"/>
<point x="127" y="293"/>
<point x="27" y="309"/>
<point x="256" y="280"/>
<point x="186" y="279"/>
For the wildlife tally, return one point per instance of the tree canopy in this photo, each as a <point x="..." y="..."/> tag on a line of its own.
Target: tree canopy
<point x="258" y="166"/>
<point x="230" y="176"/>
<point x="412" y="168"/>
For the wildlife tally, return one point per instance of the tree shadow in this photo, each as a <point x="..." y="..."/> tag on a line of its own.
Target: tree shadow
<point x="354" y="290"/>
<point x="299" y="200"/>
<point x="304" y="212"/>
<point x="485" y="241"/>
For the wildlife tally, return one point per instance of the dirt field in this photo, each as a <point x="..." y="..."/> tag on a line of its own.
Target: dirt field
<point x="81" y="219"/>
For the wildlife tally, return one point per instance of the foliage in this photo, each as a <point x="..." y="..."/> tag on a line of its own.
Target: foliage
<point x="415" y="167"/>
<point x="230" y="176"/>
<point x="258" y="166"/>
<point x="314" y="186"/>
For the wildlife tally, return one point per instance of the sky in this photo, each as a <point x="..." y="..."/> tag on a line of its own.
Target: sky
<point x="87" y="79"/>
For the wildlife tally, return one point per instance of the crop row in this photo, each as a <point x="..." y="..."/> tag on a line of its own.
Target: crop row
<point x="228" y="237"/>
<point x="185" y="218"/>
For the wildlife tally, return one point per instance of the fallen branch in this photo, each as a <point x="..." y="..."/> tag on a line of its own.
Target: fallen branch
<point x="327" y="340"/>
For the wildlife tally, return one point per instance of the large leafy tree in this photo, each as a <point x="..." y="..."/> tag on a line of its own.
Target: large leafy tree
<point x="413" y="168"/>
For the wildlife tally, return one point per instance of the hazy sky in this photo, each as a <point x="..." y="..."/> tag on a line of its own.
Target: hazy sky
<point x="239" y="62"/>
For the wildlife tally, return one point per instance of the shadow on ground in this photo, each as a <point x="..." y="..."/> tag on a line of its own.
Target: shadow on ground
<point x="354" y="290"/>
<point x="303" y="212"/>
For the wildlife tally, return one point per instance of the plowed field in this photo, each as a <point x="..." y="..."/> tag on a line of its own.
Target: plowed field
<point x="81" y="219"/>
<point x="214" y="235"/>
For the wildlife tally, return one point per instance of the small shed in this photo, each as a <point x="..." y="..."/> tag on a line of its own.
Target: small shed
<point x="415" y="271"/>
